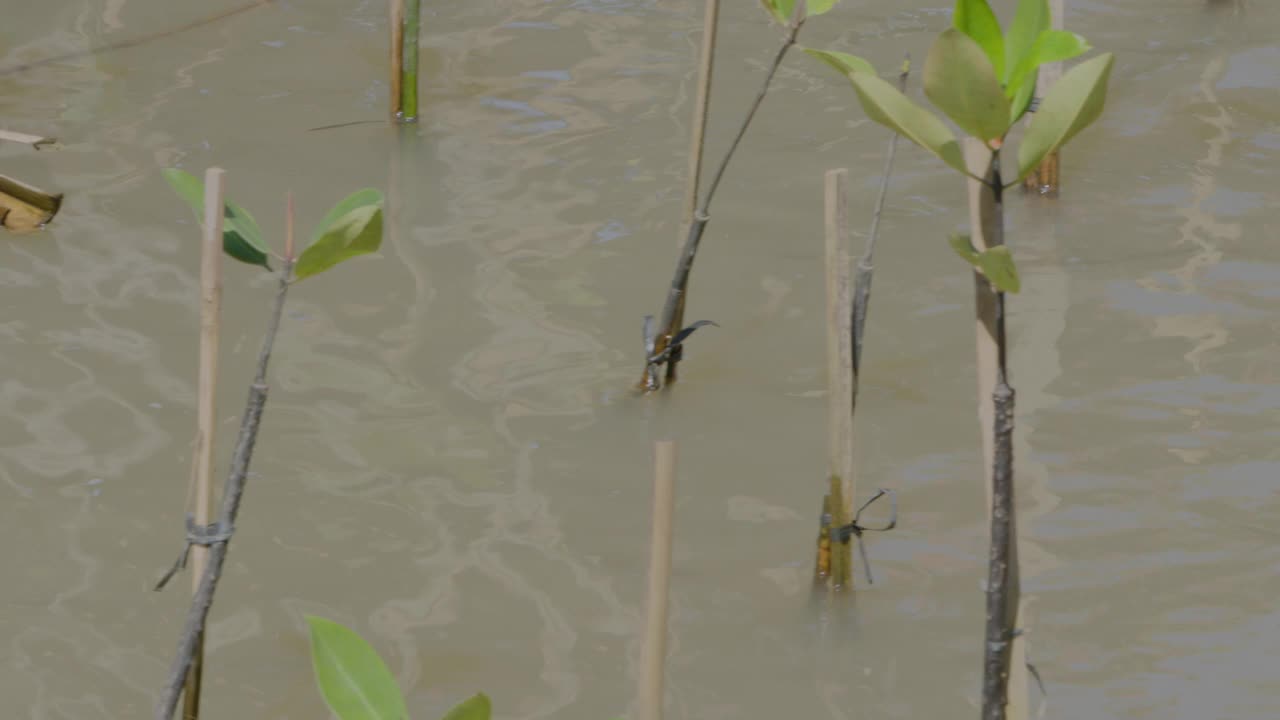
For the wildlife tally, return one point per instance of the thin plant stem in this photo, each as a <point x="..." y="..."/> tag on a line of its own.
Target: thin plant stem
<point x="1003" y="591"/>
<point x="711" y="20"/>
<point x="233" y="493"/>
<point x="865" y="266"/>
<point x="680" y="281"/>
<point x="133" y="42"/>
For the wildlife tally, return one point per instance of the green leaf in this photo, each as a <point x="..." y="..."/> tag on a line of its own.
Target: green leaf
<point x="476" y="707"/>
<point x="996" y="263"/>
<point x="844" y="63"/>
<point x="1075" y="101"/>
<point x="1022" y="99"/>
<point x="354" y="681"/>
<point x="353" y="227"/>
<point x="1052" y="46"/>
<point x="959" y="79"/>
<point x="1030" y="20"/>
<point x="241" y="238"/>
<point x="975" y="19"/>
<point x="884" y="104"/>
<point x="963" y="245"/>
<point x="820" y="7"/>
<point x="782" y="10"/>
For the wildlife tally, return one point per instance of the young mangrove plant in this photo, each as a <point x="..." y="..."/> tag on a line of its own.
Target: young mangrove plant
<point x="352" y="227"/>
<point x="663" y="341"/>
<point x="983" y="79"/>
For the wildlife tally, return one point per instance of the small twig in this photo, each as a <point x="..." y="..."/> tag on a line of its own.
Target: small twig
<point x="674" y="307"/>
<point x="218" y="536"/>
<point x="865" y="266"/>
<point x="133" y="42"/>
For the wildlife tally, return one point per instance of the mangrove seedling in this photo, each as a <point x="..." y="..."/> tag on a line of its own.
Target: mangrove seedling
<point x="662" y="347"/>
<point x="353" y="227"/>
<point x="983" y="79"/>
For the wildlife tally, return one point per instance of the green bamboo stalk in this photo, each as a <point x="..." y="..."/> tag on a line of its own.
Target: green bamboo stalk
<point x="409" y="69"/>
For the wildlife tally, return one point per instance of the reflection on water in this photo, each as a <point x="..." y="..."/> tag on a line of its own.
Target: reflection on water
<point x="451" y="460"/>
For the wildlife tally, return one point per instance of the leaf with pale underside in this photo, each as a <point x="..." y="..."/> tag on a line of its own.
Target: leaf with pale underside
<point x="959" y="79"/>
<point x="1075" y="101"/>
<point x="884" y="104"/>
<point x="353" y="227"/>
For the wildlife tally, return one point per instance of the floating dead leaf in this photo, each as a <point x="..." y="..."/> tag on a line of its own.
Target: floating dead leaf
<point x="24" y="208"/>
<point x="34" y="141"/>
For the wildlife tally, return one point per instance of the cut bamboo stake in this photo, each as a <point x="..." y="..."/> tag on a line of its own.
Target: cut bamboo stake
<point x="839" y="371"/>
<point x="654" y="652"/>
<point x="409" y="81"/>
<point x="986" y="223"/>
<point x="1047" y="179"/>
<point x="206" y="406"/>
<point x="706" y="66"/>
<point x="395" y="23"/>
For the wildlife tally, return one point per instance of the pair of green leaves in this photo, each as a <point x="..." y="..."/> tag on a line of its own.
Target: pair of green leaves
<point x="962" y="77"/>
<point x="995" y="263"/>
<point x="356" y="683"/>
<point x="352" y="227"/>
<point x="783" y="10"/>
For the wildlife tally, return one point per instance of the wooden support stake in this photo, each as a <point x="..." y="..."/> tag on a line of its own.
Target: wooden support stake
<point x="206" y="404"/>
<point x="654" y="653"/>
<point x="839" y="370"/>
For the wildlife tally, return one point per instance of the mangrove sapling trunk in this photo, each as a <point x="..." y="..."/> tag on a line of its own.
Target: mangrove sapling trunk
<point x="706" y="66"/>
<point x="206" y="407"/>
<point x="663" y="345"/>
<point x="986" y="208"/>
<point x="217" y="536"/>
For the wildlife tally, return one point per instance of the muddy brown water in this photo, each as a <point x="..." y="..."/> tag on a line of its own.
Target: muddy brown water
<point x="451" y="461"/>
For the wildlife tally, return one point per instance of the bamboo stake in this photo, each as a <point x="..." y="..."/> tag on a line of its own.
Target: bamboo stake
<point x="206" y="407"/>
<point x="706" y="65"/>
<point x="395" y="23"/>
<point x="409" y="81"/>
<point x="232" y="494"/>
<point x="839" y="370"/>
<point x="986" y="222"/>
<point x="654" y="652"/>
<point x="1047" y="179"/>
